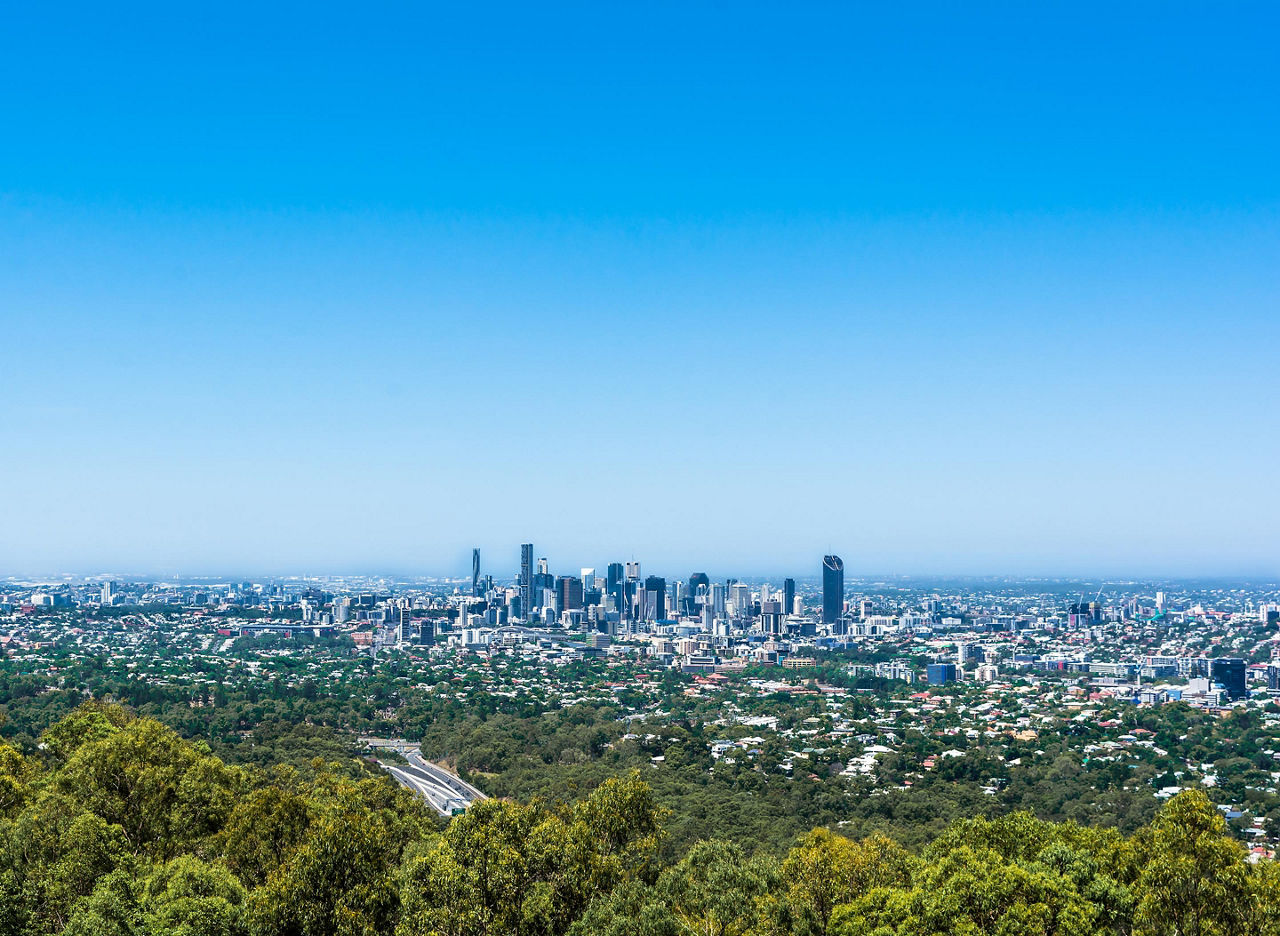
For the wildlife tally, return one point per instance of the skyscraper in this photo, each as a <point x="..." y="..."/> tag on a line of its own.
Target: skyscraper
<point x="544" y="585"/>
<point x="655" y="598"/>
<point x="698" y="580"/>
<point x="475" y="573"/>
<point x="613" y="586"/>
<point x="771" y="617"/>
<point x="717" y="600"/>
<point x="568" y="594"/>
<point x="526" y="579"/>
<point x="632" y="591"/>
<point x="789" y="596"/>
<point x="832" y="588"/>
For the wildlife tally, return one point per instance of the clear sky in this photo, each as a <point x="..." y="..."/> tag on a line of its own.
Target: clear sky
<point x="955" y="288"/>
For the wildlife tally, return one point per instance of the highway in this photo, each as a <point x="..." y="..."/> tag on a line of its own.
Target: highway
<point x="446" y="793"/>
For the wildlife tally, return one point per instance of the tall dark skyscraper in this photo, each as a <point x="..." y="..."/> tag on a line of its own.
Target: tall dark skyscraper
<point x="613" y="585"/>
<point x="526" y="579"/>
<point x="696" y="580"/>
<point x="832" y="588"/>
<point x="568" y="593"/>
<point x="632" y="592"/>
<point x="475" y="573"/>
<point x="788" y="596"/>
<point x="655" y="598"/>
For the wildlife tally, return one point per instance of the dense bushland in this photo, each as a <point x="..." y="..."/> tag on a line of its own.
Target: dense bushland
<point x="119" y="826"/>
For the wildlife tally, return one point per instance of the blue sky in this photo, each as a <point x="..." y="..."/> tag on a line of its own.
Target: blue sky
<point x="960" y="288"/>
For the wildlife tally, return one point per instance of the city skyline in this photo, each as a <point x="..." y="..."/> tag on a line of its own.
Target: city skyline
<point x="567" y="469"/>
<point x="495" y="567"/>
<point x="943" y="291"/>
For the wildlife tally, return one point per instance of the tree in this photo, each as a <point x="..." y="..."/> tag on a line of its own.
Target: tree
<point x="188" y="897"/>
<point x="165" y="793"/>
<point x="262" y="831"/>
<point x="16" y="774"/>
<point x="57" y="851"/>
<point x="826" y="870"/>
<point x="1195" y="880"/>
<point x="337" y="882"/>
<point x="716" y="890"/>
<point x="92" y="721"/>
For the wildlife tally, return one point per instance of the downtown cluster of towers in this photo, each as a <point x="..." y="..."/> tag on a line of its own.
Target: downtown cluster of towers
<point x="624" y="594"/>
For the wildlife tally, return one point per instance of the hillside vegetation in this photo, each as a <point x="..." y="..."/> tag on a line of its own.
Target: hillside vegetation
<point x="118" y="826"/>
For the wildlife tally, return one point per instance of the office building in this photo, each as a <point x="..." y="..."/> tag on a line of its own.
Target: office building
<point x="789" y="596"/>
<point x="1230" y="675"/>
<point x="697" y="581"/>
<point x="568" y="594"/>
<point x="655" y="598"/>
<point x="717" y="600"/>
<point x="613" y="585"/>
<point x="939" y="674"/>
<point x="475" y="573"/>
<point x="771" y="617"/>
<point x="544" y="586"/>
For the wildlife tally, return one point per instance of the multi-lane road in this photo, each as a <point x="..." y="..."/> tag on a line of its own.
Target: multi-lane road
<point x="446" y="793"/>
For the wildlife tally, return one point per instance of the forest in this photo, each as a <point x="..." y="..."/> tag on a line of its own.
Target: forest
<point x="523" y="750"/>
<point x="115" y="825"/>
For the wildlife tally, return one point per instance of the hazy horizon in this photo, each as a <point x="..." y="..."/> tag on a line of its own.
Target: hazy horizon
<point x="672" y="570"/>
<point x="987" y="290"/>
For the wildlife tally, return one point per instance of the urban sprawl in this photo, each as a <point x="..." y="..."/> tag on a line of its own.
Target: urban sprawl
<point x="867" y="687"/>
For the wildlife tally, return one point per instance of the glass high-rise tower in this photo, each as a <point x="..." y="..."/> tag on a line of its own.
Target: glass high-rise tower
<point x="832" y="588"/>
<point x="526" y="580"/>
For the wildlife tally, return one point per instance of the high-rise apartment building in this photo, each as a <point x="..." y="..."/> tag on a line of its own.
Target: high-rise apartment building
<point x="832" y="589"/>
<point x="526" y="579"/>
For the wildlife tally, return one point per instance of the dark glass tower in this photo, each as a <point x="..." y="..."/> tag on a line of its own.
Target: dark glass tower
<point x="832" y="588"/>
<point x="475" y="573"/>
<point x="695" y="580"/>
<point x="1229" y="674"/>
<point x="655" y="588"/>
<point x="613" y="584"/>
<point x="526" y="579"/>
<point x="788" y="596"/>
